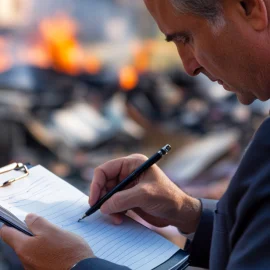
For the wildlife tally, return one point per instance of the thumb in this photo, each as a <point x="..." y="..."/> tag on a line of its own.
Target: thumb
<point x="121" y="202"/>
<point x="12" y="236"/>
<point x="37" y="224"/>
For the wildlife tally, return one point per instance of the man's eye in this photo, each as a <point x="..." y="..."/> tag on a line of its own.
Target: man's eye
<point x="183" y="39"/>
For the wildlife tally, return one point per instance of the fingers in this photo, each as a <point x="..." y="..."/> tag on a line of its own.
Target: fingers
<point x="118" y="218"/>
<point x="38" y="225"/>
<point x="98" y="184"/>
<point x="13" y="237"/>
<point x="115" y="170"/>
<point x="122" y="201"/>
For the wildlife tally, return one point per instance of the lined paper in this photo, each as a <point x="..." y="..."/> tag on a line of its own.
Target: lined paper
<point x="45" y="194"/>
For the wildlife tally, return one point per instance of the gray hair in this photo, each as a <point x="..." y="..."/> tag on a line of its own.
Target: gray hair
<point x="208" y="9"/>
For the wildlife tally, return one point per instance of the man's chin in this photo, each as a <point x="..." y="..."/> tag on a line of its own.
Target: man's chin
<point x="246" y="99"/>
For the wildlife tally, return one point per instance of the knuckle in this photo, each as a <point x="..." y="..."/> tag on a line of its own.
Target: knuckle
<point x="139" y="157"/>
<point x="145" y="190"/>
<point x="135" y="160"/>
<point x="99" y="176"/>
<point x="97" y="170"/>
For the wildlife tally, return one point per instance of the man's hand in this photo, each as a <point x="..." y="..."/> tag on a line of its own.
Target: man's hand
<point x="51" y="248"/>
<point x="152" y="196"/>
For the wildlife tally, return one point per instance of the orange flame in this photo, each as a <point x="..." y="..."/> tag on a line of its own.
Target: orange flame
<point x="56" y="46"/>
<point x="128" y="78"/>
<point x="142" y="55"/>
<point x="59" y="36"/>
<point x="92" y="64"/>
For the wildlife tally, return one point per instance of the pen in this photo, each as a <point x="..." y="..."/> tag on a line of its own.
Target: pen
<point x="147" y="164"/>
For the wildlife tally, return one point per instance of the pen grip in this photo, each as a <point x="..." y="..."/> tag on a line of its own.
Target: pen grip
<point x="147" y="164"/>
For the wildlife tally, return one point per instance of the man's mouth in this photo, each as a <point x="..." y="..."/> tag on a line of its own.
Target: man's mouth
<point x="220" y="82"/>
<point x="215" y="80"/>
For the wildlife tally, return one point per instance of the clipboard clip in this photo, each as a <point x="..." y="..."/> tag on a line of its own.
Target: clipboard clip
<point x="17" y="167"/>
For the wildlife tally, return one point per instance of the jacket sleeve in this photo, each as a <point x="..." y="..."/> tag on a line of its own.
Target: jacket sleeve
<point x="97" y="264"/>
<point x="199" y="248"/>
<point x="250" y="235"/>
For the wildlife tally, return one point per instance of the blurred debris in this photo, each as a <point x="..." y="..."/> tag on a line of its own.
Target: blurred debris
<point x="192" y="160"/>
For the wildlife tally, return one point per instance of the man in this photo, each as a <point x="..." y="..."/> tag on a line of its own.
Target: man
<point x="228" y="41"/>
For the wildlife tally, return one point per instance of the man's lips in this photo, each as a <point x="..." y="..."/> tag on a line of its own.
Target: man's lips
<point x="220" y="82"/>
<point x="216" y="80"/>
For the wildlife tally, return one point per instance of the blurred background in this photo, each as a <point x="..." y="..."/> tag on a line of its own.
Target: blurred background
<point x="83" y="82"/>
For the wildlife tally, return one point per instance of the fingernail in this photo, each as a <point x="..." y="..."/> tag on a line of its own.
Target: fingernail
<point x="30" y="217"/>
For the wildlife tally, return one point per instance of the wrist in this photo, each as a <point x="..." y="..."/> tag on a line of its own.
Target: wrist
<point x="80" y="263"/>
<point x="188" y="216"/>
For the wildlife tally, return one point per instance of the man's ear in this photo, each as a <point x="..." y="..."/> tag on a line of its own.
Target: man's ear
<point x="255" y="13"/>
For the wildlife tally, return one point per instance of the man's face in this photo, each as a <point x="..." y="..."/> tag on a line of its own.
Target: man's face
<point x="226" y="54"/>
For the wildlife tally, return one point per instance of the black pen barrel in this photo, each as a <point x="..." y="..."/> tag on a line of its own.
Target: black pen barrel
<point x="146" y="165"/>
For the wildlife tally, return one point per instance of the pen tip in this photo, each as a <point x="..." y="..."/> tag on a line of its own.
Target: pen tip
<point x="82" y="218"/>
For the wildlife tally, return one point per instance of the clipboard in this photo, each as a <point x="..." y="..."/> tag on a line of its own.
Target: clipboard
<point x="17" y="167"/>
<point x="180" y="260"/>
<point x="7" y="217"/>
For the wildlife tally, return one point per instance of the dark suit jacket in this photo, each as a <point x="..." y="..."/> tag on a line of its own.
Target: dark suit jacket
<point x="240" y="235"/>
<point x="233" y="233"/>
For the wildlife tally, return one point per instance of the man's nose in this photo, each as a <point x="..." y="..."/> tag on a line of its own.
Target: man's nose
<point x="190" y="63"/>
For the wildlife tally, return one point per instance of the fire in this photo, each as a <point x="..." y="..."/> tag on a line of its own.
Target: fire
<point x="67" y="54"/>
<point x="54" y="45"/>
<point x="142" y="53"/>
<point x="59" y="37"/>
<point x="92" y="64"/>
<point x="128" y="77"/>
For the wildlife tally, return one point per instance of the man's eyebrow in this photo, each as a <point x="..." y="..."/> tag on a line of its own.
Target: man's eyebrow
<point x="172" y="37"/>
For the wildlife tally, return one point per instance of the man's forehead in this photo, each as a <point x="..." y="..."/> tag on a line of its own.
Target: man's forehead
<point x="151" y="5"/>
<point x="154" y="5"/>
<point x="164" y="14"/>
